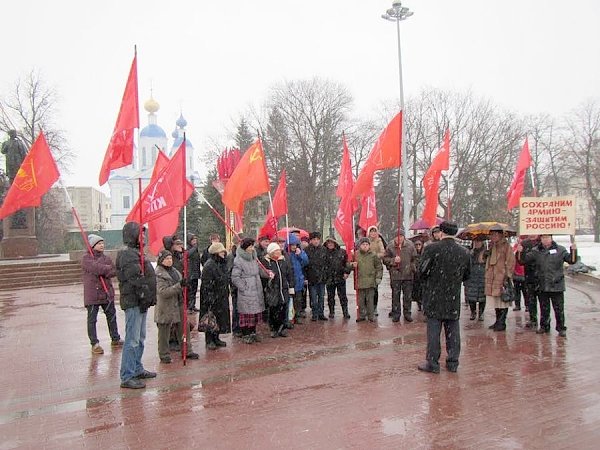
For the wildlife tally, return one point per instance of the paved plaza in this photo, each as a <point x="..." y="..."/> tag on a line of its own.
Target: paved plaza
<point x="330" y="385"/>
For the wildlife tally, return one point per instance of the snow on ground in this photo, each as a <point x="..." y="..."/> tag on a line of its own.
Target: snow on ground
<point x="588" y="250"/>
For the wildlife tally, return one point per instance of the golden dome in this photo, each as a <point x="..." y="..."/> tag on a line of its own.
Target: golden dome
<point x="151" y="105"/>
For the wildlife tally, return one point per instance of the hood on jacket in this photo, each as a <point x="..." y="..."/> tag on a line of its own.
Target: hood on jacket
<point x="131" y="234"/>
<point x="331" y="239"/>
<point x="167" y="242"/>
<point x="372" y="227"/>
<point x="292" y="241"/>
<point x="190" y="236"/>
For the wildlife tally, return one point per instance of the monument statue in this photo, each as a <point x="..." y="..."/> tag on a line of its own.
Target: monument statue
<point x="15" y="153"/>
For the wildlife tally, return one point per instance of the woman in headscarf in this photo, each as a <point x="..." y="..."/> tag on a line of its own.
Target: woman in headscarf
<point x="169" y="306"/>
<point x="214" y="293"/>
<point x="246" y="277"/>
<point x="279" y="285"/>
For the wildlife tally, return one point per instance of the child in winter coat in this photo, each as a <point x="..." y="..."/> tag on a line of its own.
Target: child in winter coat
<point x="369" y="273"/>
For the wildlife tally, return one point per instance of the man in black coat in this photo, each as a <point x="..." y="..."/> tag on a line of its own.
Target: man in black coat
<point x="315" y="275"/>
<point x="137" y="289"/>
<point x="338" y="270"/>
<point x="444" y="266"/>
<point x="531" y="296"/>
<point x="549" y="258"/>
<point x="193" y="254"/>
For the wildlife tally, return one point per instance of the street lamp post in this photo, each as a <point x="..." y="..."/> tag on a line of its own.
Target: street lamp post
<point x="396" y="14"/>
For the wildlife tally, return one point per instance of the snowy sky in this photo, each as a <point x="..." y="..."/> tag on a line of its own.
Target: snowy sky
<point x="215" y="58"/>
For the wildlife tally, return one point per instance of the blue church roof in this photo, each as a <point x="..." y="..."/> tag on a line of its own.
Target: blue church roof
<point x="178" y="142"/>
<point x="153" y="131"/>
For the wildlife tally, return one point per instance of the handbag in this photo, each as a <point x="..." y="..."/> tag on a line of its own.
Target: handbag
<point x="508" y="291"/>
<point x="208" y="323"/>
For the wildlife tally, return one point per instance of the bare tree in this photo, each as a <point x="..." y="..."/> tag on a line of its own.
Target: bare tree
<point x="29" y="108"/>
<point x="583" y="140"/>
<point x="303" y="135"/>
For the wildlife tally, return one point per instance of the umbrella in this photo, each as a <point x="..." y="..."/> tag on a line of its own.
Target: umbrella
<point x="484" y="228"/>
<point x="283" y="233"/>
<point x="422" y="225"/>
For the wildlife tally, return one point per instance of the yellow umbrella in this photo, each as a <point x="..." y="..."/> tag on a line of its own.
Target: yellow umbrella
<point x="485" y="228"/>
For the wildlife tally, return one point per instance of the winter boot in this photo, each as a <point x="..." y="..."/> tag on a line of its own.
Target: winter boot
<point x="345" y="311"/>
<point x="498" y="313"/>
<point x="210" y="341"/>
<point x="481" y="310"/>
<point x="473" y="307"/>
<point x="331" y="304"/>
<point x="501" y="325"/>
<point x="219" y="342"/>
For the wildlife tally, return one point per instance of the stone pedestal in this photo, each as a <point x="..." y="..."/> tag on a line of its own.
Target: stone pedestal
<point x="19" y="239"/>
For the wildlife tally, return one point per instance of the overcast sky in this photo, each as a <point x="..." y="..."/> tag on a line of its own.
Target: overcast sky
<point x="215" y="58"/>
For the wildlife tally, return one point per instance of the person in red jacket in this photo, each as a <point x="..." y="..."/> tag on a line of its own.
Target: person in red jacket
<point x="519" y="280"/>
<point x="97" y="267"/>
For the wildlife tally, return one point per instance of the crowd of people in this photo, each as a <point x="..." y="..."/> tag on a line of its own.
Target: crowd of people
<point x="277" y="280"/>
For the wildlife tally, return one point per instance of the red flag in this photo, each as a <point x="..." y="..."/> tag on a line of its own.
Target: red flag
<point x="170" y="189"/>
<point x="384" y="155"/>
<point x="368" y="210"/>
<point x="343" y="220"/>
<point x="280" y="208"/>
<point x="516" y="187"/>
<point x="431" y="180"/>
<point x="120" y="148"/>
<point x="248" y="180"/>
<point x="37" y="174"/>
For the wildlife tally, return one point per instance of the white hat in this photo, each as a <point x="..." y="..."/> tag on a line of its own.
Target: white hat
<point x="273" y="246"/>
<point x="93" y="239"/>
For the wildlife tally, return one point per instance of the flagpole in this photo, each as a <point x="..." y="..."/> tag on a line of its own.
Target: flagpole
<point x="185" y="255"/>
<point x="532" y="181"/>
<point x="83" y="235"/>
<point x="141" y="236"/>
<point x="355" y="271"/>
<point x="220" y="217"/>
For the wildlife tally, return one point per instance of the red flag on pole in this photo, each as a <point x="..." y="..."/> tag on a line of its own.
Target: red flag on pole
<point x="166" y="224"/>
<point x="516" y="187"/>
<point x="37" y="174"/>
<point x="248" y="180"/>
<point x="165" y="192"/>
<point x="384" y="155"/>
<point x="280" y="208"/>
<point x="368" y="210"/>
<point x="343" y="219"/>
<point x="120" y="148"/>
<point x="431" y="180"/>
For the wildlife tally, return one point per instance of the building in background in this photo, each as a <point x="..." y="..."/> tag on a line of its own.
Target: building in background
<point x="124" y="182"/>
<point x="92" y="205"/>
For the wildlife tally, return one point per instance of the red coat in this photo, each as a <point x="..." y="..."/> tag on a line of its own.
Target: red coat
<point x="94" y="267"/>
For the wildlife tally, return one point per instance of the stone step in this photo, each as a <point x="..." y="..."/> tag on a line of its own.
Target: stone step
<point x="39" y="274"/>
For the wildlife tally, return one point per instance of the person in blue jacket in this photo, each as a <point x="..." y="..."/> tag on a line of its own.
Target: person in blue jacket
<point x="299" y="260"/>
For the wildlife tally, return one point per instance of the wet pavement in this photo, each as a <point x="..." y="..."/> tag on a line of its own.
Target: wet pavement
<point x="335" y="384"/>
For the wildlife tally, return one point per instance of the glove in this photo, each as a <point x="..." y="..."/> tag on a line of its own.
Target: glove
<point x="183" y="282"/>
<point x="291" y="291"/>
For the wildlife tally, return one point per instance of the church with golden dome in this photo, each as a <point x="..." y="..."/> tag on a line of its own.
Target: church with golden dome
<point x="123" y="183"/>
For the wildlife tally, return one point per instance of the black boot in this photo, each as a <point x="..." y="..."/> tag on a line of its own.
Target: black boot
<point x="481" y="310"/>
<point x="501" y="325"/>
<point x="219" y="342"/>
<point x="473" y="307"/>
<point x="345" y="311"/>
<point x="331" y="308"/>
<point x="493" y="326"/>
<point x="209" y="341"/>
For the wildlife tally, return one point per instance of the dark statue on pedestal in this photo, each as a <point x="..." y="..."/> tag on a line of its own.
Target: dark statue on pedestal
<point x="15" y="152"/>
<point x="19" y="238"/>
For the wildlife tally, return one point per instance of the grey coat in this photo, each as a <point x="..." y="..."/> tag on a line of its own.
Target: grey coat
<point x="245" y="276"/>
<point x="169" y="296"/>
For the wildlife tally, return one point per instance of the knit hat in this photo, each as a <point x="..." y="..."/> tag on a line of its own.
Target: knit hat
<point x="273" y="246"/>
<point x="448" y="228"/>
<point x="93" y="239"/>
<point x="314" y="235"/>
<point x="401" y="232"/>
<point x="215" y="248"/>
<point x="364" y="240"/>
<point x="162" y="255"/>
<point x="435" y="229"/>
<point x="246" y="242"/>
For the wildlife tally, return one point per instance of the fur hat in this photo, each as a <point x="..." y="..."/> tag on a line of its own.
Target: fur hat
<point x="93" y="239"/>
<point x="273" y="246"/>
<point x="364" y="240"/>
<point x="162" y="255"/>
<point x="215" y="248"/>
<point x="331" y="239"/>
<point x="314" y="235"/>
<point x="448" y="228"/>
<point x="246" y="242"/>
